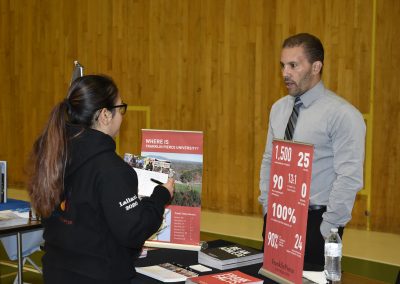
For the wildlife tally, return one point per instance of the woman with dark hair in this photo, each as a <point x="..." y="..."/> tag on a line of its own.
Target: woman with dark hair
<point x="94" y="223"/>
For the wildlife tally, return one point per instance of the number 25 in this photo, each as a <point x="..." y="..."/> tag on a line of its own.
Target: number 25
<point x="304" y="160"/>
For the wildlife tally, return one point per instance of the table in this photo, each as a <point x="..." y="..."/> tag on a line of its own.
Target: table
<point x="17" y="228"/>
<point x="187" y="258"/>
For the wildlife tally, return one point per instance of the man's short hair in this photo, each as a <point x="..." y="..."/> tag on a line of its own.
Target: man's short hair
<point x="312" y="46"/>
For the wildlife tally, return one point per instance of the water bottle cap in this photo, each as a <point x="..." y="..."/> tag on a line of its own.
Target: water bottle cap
<point x="334" y="230"/>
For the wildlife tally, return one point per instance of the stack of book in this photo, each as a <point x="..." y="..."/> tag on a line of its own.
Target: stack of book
<point x="231" y="277"/>
<point x="230" y="256"/>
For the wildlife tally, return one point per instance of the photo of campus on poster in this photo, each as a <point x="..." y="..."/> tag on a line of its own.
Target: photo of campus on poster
<point x="148" y="164"/>
<point x="186" y="169"/>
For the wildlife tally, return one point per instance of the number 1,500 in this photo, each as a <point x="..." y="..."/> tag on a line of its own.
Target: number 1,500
<point x="283" y="154"/>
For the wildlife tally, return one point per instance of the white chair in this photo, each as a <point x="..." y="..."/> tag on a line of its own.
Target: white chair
<point x="31" y="242"/>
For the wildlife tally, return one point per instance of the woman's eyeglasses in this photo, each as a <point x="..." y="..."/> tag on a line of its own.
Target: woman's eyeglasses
<point x="122" y="108"/>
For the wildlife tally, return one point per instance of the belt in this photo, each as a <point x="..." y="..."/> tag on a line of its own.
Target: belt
<point x="316" y="207"/>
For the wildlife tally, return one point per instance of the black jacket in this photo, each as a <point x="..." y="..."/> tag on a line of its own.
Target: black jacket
<point x="101" y="225"/>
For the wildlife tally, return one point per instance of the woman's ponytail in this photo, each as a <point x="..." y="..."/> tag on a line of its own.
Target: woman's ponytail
<point x="48" y="162"/>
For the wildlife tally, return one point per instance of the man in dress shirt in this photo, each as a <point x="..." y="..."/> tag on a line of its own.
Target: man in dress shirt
<point x="337" y="131"/>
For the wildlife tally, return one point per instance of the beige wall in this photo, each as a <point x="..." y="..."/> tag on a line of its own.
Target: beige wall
<point x="210" y="65"/>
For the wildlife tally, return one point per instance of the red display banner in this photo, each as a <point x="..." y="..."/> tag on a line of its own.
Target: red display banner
<point x="184" y="151"/>
<point x="288" y="198"/>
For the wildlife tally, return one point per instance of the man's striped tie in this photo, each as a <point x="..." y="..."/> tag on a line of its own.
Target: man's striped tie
<point x="293" y="119"/>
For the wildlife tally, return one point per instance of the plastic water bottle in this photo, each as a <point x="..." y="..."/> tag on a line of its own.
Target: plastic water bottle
<point x="333" y="256"/>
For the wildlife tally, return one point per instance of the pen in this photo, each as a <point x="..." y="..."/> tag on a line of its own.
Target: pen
<point x="156" y="181"/>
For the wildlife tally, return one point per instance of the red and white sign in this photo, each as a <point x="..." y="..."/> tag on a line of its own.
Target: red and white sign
<point x="288" y="198"/>
<point x="184" y="150"/>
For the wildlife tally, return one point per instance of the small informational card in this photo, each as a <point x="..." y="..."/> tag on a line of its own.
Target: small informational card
<point x="315" y="276"/>
<point x="200" y="268"/>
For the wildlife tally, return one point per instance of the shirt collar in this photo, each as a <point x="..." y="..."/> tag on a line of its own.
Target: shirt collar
<point x="312" y="94"/>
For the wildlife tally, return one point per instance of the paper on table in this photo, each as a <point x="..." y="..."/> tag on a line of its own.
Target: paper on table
<point x="315" y="276"/>
<point x="9" y="218"/>
<point x="7" y="215"/>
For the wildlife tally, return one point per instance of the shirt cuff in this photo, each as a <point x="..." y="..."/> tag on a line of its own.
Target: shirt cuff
<point x="325" y="228"/>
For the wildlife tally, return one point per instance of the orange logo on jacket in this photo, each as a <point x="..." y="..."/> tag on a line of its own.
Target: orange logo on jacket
<point x="63" y="205"/>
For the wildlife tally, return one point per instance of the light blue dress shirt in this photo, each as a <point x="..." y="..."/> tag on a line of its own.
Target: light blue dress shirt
<point x="337" y="131"/>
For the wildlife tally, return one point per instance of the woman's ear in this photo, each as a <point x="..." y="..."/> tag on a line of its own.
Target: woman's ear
<point x="105" y="117"/>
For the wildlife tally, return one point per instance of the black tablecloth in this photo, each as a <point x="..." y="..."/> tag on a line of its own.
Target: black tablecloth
<point x="187" y="258"/>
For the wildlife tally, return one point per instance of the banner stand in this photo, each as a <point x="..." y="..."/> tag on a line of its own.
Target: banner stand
<point x="168" y="245"/>
<point x="274" y="276"/>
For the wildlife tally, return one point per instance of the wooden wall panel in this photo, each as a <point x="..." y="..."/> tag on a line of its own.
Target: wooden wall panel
<point x="385" y="215"/>
<point x="359" y="214"/>
<point x="129" y="138"/>
<point x="210" y="65"/>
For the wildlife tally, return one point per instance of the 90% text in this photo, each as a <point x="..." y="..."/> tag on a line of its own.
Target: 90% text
<point x="273" y="240"/>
